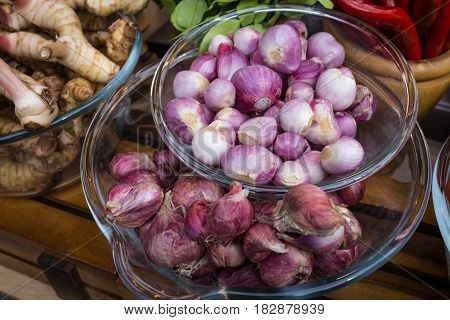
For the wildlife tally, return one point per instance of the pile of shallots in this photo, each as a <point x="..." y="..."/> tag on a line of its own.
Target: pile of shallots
<point x="273" y="108"/>
<point x="218" y="237"/>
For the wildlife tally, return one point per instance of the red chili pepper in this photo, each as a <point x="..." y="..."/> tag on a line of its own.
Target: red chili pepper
<point x="446" y="47"/>
<point x="404" y="4"/>
<point x="392" y="18"/>
<point x="438" y="35"/>
<point x="424" y="14"/>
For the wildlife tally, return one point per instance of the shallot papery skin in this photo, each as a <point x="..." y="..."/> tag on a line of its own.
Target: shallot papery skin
<point x="124" y="163"/>
<point x="325" y="128"/>
<point x="166" y="175"/>
<point x="336" y="199"/>
<point x="246" y="276"/>
<point x="296" y="116"/>
<point x="260" y="131"/>
<point x="336" y="87"/>
<point x="230" y="255"/>
<point x="317" y="244"/>
<point x="300" y="90"/>
<point x="260" y="241"/>
<point x="324" y="46"/>
<point x="300" y="27"/>
<point x="343" y="156"/>
<point x="353" y="194"/>
<point x="230" y="216"/>
<point x="329" y="264"/>
<point x="257" y="88"/>
<point x="189" y="189"/>
<point x="165" y="240"/>
<point x="220" y="94"/>
<point x="210" y="144"/>
<point x="205" y="64"/>
<point x="141" y="176"/>
<point x="310" y="162"/>
<point x="347" y="124"/>
<point x="132" y="205"/>
<point x="256" y="59"/>
<point x="195" y="220"/>
<point x="281" y="49"/>
<point x="307" y="210"/>
<point x="246" y="40"/>
<point x="185" y="116"/>
<point x="265" y="211"/>
<point x="229" y="60"/>
<point x="308" y="71"/>
<point x="352" y="228"/>
<point x="216" y="41"/>
<point x="161" y="157"/>
<point x="252" y="164"/>
<point x="198" y="269"/>
<point x="189" y="84"/>
<point x="290" y="173"/>
<point x="232" y="116"/>
<point x="283" y="269"/>
<point x="290" y="145"/>
<point x="365" y="104"/>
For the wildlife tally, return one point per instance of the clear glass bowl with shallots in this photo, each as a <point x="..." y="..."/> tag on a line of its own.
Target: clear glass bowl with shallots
<point x="39" y="153"/>
<point x="278" y="106"/>
<point x="177" y="235"/>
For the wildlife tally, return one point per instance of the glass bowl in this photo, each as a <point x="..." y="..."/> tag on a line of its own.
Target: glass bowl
<point x="441" y="195"/>
<point x="392" y="208"/>
<point x="382" y="137"/>
<point x="60" y="170"/>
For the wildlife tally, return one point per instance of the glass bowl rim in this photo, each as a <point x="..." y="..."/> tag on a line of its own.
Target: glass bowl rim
<point x="440" y="202"/>
<point x="115" y="237"/>
<point x="378" y="162"/>
<point x="90" y="104"/>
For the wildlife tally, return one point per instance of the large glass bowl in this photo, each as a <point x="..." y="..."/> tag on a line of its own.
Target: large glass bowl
<point x="392" y="208"/>
<point x="441" y="195"/>
<point x="395" y="91"/>
<point x="67" y="171"/>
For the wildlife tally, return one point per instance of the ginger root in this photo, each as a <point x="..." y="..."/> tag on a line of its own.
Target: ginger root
<point x="91" y="22"/>
<point x="11" y="19"/>
<point x="71" y="48"/>
<point x="15" y="176"/>
<point x="118" y="39"/>
<point x="106" y="7"/>
<point x="42" y="146"/>
<point x="75" y="91"/>
<point x="34" y="103"/>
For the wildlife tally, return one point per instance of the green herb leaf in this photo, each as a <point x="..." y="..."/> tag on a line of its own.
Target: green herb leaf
<point x="327" y="3"/>
<point x="188" y="13"/>
<point x="169" y="5"/>
<point x="272" y="20"/>
<point x="221" y="28"/>
<point x="258" y="27"/>
<point x="248" y="18"/>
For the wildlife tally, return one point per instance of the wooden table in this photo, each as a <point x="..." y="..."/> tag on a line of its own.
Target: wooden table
<point x="56" y="233"/>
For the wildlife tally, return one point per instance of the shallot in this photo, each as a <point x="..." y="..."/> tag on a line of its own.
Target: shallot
<point x="185" y="116"/>
<point x="300" y="90"/>
<point x="343" y="156"/>
<point x="290" y="145"/>
<point x="365" y="104"/>
<point x="352" y="194"/>
<point x="331" y="263"/>
<point x="216" y="41"/>
<point x="124" y="163"/>
<point x="232" y="116"/>
<point x="205" y="64"/>
<point x="246" y="40"/>
<point x="229" y="216"/>
<point x="325" y="128"/>
<point x="260" y="131"/>
<point x="296" y="116"/>
<point x="231" y="255"/>
<point x="308" y="71"/>
<point x="290" y="173"/>
<point x="324" y="46"/>
<point x="283" y="269"/>
<point x="189" y="84"/>
<point x="244" y="276"/>
<point x="219" y="95"/>
<point x="131" y="205"/>
<point x="229" y="60"/>
<point x="280" y="48"/>
<point x="337" y="87"/>
<point x="347" y="124"/>
<point x="256" y="95"/>
<point x="195" y="220"/>
<point x="260" y="240"/>
<point x="252" y="164"/>
<point x="310" y="162"/>
<point x="141" y="176"/>
<point x="165" y="240"/>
